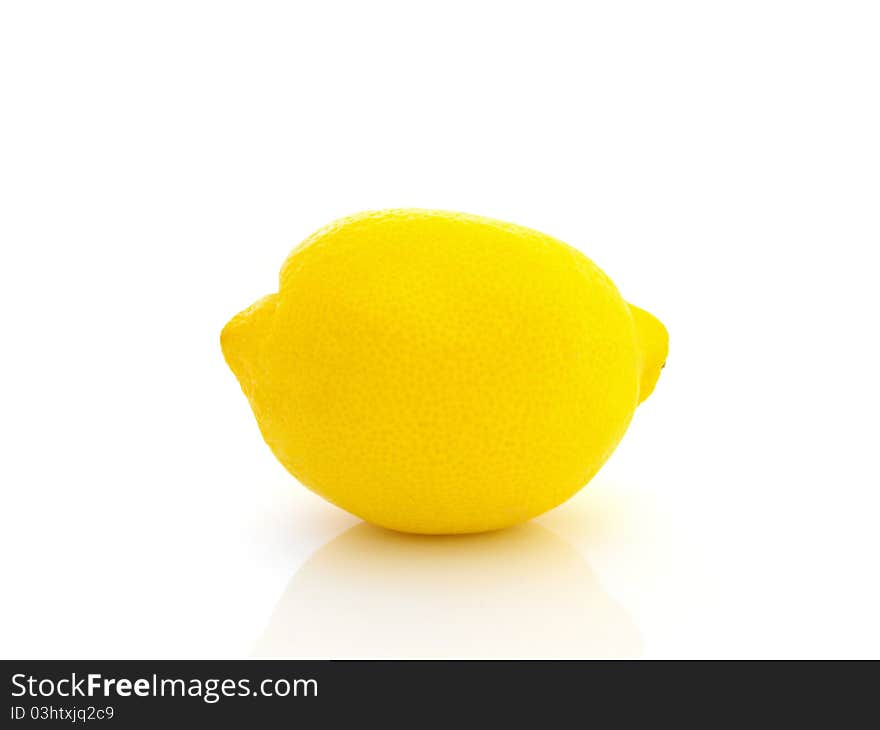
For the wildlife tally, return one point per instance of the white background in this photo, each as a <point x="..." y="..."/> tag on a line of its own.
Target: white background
<point x="721" y="161"/>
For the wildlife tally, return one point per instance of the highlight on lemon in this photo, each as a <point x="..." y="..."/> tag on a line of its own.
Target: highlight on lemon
<point x="437" y="372"/>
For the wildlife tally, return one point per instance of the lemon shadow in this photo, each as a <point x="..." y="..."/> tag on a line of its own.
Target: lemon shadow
<point x="517" y="593"/>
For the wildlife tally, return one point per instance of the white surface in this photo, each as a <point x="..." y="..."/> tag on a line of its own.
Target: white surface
<point x="157" y="162"/>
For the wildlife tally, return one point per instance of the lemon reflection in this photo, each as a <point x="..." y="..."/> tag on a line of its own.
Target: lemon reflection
<point x="521" y="592"/>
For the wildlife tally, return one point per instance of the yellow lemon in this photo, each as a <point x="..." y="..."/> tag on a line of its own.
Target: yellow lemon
<point x="437" y="372"/>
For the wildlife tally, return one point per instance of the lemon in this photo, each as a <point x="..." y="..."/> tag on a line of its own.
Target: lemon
<point x="437" y="372"/>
